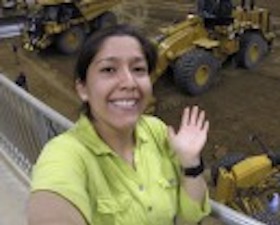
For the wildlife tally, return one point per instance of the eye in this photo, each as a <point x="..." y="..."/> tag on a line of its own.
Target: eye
<point x="108" y="69"/>
<point x="141" y="69"/>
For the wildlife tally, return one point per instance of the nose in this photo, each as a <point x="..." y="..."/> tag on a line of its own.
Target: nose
<point x="127" y="78"/>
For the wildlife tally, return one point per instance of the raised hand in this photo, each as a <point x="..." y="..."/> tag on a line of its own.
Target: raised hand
<point x="191" y="137"/>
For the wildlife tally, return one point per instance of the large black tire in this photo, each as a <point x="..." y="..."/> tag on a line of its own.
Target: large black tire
<point x="227" y="162"/>
<point x="253" y="47"/>
<point x="70" y="41"/>
<point x="107" y="19"/>
<point x="194" y="72"/>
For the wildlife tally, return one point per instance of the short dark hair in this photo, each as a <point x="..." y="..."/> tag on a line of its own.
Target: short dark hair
<point x="93" y="44"/>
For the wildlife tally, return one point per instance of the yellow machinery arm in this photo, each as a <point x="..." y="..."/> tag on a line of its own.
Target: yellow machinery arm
<point x="248" y="173"/>
<point x="91" y="9"/>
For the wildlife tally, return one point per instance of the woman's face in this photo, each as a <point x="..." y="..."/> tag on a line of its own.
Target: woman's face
<point x="118" y="85"/>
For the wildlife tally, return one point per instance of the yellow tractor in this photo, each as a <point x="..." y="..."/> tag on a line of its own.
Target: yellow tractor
<point x="250" y="184"/>
<point x="194" y="49"/>
<point x="11" y="8"/>
<point x="66" y="23"/>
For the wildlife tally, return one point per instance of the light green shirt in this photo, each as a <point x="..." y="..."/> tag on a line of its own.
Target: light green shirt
<point x="79" y="166"/>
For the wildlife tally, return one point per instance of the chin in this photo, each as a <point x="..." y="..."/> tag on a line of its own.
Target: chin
<point x="127" y="123"/>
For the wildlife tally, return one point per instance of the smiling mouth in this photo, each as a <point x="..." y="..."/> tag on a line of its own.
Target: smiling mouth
<point x="125" y="103"/>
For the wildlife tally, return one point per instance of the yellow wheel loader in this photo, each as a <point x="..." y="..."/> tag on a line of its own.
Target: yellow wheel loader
<point x="14" y="8"/>
<point x="194" y="49"/>
<point x="250" y="184"/>
<point x="66" y="24"/>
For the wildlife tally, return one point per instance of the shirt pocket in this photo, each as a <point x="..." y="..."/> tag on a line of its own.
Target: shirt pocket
<point x="109" y="209"/>
<point x="168" y="183"/>
<point x="169" y="195"/>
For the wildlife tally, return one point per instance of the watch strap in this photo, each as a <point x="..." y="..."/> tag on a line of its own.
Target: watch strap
<point x="193" y="171"/>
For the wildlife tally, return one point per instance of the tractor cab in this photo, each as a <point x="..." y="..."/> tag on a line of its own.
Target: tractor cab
<point x="215" y="12"/>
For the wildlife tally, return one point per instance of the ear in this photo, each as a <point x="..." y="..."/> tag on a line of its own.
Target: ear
<point x="81" y="90"/>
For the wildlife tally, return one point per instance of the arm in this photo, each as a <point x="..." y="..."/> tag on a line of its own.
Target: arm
<point x="196" y="188"/>
<point x="58" y="185"/>
<point x="48" y="208"/>
<point x="188" y="143"/>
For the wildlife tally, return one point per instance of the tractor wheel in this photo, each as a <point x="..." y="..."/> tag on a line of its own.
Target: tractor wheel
<point x="70" y="41"/>
<point x="227" y="162"/>
<point x="253" y="47"/>
<point x="107" y="19"/>
<point x="194" y="71"/>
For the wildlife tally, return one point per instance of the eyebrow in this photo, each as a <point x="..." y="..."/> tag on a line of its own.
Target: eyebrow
<point x="112" y="59"/>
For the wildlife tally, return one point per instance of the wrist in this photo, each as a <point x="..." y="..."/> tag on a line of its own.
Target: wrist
<point x="191" y="162"/>
<point x="193" y="171"/>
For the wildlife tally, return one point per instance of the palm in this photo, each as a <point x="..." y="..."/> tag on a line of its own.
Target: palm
<point x="191" y="136"/>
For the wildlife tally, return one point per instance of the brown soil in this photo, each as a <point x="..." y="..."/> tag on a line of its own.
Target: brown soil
<point x="242" y="103"/>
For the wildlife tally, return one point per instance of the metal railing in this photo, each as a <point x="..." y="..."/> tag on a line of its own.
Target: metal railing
<point x="26" y="124"/>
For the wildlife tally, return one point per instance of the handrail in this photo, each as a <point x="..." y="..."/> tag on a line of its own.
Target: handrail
<point x="34" y="102"/>
<point x="230" y="216"/>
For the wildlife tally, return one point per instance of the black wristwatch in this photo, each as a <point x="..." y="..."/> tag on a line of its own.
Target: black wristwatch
<point x="194" y="171"/>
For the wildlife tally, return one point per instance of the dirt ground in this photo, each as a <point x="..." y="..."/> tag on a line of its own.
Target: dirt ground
<point x="242" y="103"/>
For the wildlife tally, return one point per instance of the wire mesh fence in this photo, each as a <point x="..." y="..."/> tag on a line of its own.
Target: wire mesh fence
<point x="26" y="124"/>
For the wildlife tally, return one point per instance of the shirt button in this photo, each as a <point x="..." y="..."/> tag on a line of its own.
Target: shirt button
<point x="150" y="208"/>
<point x="141" y="187"/>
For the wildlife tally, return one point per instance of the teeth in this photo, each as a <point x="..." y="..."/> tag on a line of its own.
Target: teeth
<point x="124" y="103"/>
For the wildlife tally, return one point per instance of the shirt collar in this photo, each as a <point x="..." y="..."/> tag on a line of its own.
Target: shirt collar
<point x="85" y="132"/>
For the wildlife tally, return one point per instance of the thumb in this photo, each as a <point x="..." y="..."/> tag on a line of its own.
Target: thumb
<point x="171" y="132"/>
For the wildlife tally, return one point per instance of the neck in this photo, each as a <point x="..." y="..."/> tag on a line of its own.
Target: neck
<point x="120" y="141"/>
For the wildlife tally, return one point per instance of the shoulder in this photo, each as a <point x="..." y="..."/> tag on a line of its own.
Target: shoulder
<point x="61" y="161"/>
<point x="154" y="127"/>
<point x="64" y="143"/>
<point x="63" y="152"/>
<point x="152" y="122"/>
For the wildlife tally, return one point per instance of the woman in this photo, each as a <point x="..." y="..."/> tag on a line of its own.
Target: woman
<point x="117" y="166"/>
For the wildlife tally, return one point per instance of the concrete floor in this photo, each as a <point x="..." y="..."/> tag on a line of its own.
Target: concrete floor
<point x="13" y="194"/>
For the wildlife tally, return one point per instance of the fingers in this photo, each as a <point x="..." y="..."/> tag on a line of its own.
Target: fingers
<point x="185" y="117"/>
<point x="195" y="117"/>
<point x="205" y="127"/>
<point x="200" y="119"/>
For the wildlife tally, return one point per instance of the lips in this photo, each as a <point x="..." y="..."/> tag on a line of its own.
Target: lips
<point x="124" y="103"/>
